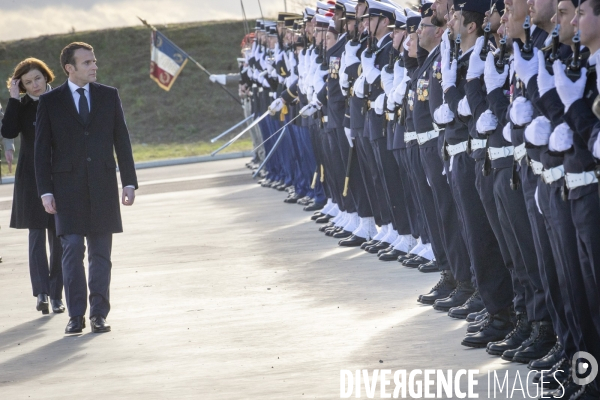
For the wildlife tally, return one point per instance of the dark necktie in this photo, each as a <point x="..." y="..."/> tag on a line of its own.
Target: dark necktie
<point x="84" y="108"/>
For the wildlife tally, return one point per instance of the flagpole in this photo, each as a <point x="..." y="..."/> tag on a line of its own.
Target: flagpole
<point x="197" y="64"/>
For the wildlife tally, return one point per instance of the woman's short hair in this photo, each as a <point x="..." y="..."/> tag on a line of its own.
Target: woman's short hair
<point x="28" y="65"/>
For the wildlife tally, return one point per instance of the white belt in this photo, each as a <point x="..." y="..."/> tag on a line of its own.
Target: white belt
<point x="425" y="137"/>
<point x="477" y="144"/>
<point x="582" y="179"/>
<point x="408" y="136"/>
<point x="520" y="152"/>
<point x="553" y="174"/>
<point x="457" y="148"/>
<point x="500" y="152"/>
<point x="537" y="167"/>
<point x="390" y="116"/>
<point x="260" y="90"/>
<point x="325" y="119"/>
<point x="254" y="86"/>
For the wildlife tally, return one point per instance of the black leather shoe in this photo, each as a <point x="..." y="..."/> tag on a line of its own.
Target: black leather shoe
<point x="457" y="298"/>
<point x="292" y="199"/>
<point x="42" y="303"/>
<point x="559" y="372"/>
<point x="441" y="290"/>
<point x="495" y="328"/>
<point x="57" y="306"/>
<point x="473" y="316"/>
<point x="415" y="262"/>
<point x="324" y="219"/>
<point x="75" y="325"/>
<point x="509" y="354"/>
<point x="328" y="225"/>
<point x="369" y="243"/>
<point x="376" y="247"/>
<point x="474" y="304"/>
<point x="546" y="362"/>
<point x="540" y="346"/>
<point x="405" y="257"/>
<point x="316" y="215"/>
<point x="333" y="231"/>
<point x="568" y="390"/>
<point x="386" y="250"/>
<point x="476" y="326"/>
<point x="352" y="241"/>
<point x="342" y="234"/>
<point x="514" y="339"/>
<point x="314" y="207"/>
<point x="431" y="266"/>
<point x="390" y="255"/>
<point x="99" y="324"/>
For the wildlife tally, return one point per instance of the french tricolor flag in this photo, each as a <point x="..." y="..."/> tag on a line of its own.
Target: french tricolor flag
<point x="166" y="61"/>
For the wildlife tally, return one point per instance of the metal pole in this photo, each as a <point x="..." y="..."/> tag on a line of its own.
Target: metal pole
<point x="230" y="129"/>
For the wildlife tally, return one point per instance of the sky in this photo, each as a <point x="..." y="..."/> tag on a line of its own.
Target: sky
<point x="21" y="19"/>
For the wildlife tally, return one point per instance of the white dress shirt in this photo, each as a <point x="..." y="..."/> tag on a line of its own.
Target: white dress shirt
<point x="76" y="94"/>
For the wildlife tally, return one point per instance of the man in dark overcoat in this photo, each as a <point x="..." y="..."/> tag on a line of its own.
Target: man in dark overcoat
<point x="80" y="125"/>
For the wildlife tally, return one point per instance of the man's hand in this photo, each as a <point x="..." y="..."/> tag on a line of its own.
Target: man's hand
<point x="49" y="204"/>
<point x="128" y="196"/>
<point x="9" y="158"/>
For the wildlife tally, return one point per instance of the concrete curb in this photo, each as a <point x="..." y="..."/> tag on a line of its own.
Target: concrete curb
<point x="170" y="162"/>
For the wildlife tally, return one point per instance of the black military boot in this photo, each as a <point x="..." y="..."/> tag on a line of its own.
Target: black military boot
<point x="549" y="359"/>
<point x="474" y="327"/>
<point x="589" y="393"/>
<point x="474" y="304"/>
<point x="514" y="339"/>
<point x="457" y="298"/>
<point x="510" y="353"/>
<point x="473" y="316"/>
<point x="540" y="346"/>
<point x="559" y="372"/>
<point x="441" y="290"/>
<point x="496" y="327"/>
<point x="568" y="390"/>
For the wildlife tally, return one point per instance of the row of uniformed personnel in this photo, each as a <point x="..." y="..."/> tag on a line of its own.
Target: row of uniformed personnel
<point x="461" y="139"/>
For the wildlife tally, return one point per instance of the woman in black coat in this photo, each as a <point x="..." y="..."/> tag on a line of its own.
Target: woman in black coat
<point x="32" y="78"/>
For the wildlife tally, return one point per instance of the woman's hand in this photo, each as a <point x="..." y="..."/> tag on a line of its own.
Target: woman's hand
<point x="14" y="89"/>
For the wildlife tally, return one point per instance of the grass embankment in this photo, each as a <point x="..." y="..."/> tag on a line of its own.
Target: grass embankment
<point x="162" y="124"/>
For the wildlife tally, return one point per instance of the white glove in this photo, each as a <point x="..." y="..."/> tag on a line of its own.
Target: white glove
<point x="544" y="79"/>
<point x="308" y="110"/>
<point x="463" y="107"/>
<point x="561" y="139"/>
<point x="348" y="133"/>
<point x="443" y="115"/>
<point x="399" y="73"/>
<point x="538" y="131"/>
<point x="448" y="75"/>
<point x="506" y="133"/>
<point x="525" y="69"/>
<point x="351" y="51"/>
<point x="596" y="150"/>
<point x="276" y="106"/>
<point x="487" y="122"/>
<point x="368" y="63"/>
<point x="400" y="90"/>
<point x="521" y="111"/>
<point x="379" y="104"/>
<point x="359" y="87"/>
<point x="493" y="80"/>
<point x="476" y="65"/>
<point x="568" y="90"/>
<point x="390" y="104"/>
<point x="387" y="81"/>
<point x="220" y="79"/>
